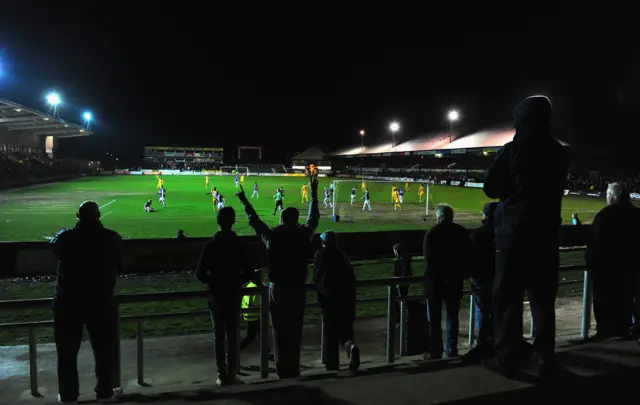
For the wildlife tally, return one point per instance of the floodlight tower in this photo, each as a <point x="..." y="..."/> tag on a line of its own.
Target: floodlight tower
<point x="87" y="120"/>
<point x="362" y="139"/>
<point x="394" y="127"/>
<point x="53" y="99"/>
<point x="452" y="116"/>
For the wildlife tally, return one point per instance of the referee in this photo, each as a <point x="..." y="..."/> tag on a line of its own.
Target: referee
<point x="279" y="201"/>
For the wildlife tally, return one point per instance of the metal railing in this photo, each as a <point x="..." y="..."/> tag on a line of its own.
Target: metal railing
<point x="391" y="299"/>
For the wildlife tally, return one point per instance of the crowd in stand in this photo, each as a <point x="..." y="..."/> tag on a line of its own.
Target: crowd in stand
<point x="515" y="250"/>
<point x="21" y="165"/>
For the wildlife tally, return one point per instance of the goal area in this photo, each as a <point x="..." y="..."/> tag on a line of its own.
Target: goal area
<point x="414" y="206"/>
<point x="235" y="169"/>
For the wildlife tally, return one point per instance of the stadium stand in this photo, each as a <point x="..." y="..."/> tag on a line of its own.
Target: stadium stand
<point x="27" y="146"/>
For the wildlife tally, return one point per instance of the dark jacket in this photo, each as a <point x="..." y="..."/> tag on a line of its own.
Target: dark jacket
<point x="224" y="264"/>
<point x="484" y="251"/>
<point x="89" y="259"/>
<point x="528" y="177"/>
<point x="288" y="246"/>
<point x="334" y="277"/>
<point x="614" y="240"/>
<point x="446" y="251"/>
<point x="403" y="267"/>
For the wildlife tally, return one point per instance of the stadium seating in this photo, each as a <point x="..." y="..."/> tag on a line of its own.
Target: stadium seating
<point x="22" y="166"/>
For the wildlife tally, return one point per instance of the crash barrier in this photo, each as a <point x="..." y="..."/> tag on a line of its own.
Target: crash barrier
<point x="28" y="259"/>
<point x="390" y="299"/>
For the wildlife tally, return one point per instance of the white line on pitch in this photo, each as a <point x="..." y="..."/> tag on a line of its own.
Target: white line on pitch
<point x="109" y="203"/>
<point x="102" y="217"/>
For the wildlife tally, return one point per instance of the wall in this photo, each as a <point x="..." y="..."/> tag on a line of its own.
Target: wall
<point x="155" y="255"/>
<point x="21" y="138"/>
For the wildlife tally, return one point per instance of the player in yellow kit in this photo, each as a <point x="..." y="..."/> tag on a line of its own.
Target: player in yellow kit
<point x="406" y="186"/>
<point x="214" y="194"/>
<point x="206" y="181"/>
<point x="305" y="193"/>
<point x="242" y="180"/>
<point x="421" y="192"/>
<point x="363" y="186"/>
<point x="160" y="182"/>
<point x="396" y="200"/>
<point x="394" y="190"/>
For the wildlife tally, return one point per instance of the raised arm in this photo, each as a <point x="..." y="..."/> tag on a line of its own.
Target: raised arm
<point x="314" y="211"/>
<point x="262" y="229"/>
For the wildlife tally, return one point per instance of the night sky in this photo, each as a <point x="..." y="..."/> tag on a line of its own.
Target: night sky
<point x="196" y="78"/>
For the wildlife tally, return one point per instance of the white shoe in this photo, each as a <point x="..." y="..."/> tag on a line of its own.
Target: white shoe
<point x="60" y="401"/>
<point x="117" y="394"/>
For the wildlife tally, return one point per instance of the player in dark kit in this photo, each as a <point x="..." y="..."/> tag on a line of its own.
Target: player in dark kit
<point x="279" y="201"/>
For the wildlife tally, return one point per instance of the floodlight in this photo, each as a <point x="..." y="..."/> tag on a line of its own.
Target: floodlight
<point x="87" y="116"/>
<point x="453" y="115"/>
<point x="53" y="99"/>
<point x="394" y="126"/>
<point x="362" y="132"/>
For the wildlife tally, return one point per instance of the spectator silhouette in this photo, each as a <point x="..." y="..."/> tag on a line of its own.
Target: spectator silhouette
<point x="484" y="251"/>
<point x="575" y="220"/>
<point x="335" y="283"/>
<point x="288" y="248"/>
<point x="446" y="250"/>
<point x="612" y="262"/>
<point x="530" y="189"/>
<point x="89" y="259"/>
<point x="181" y="235"/>
<point x="402" y="268"/>
<point x="224" y="266"/>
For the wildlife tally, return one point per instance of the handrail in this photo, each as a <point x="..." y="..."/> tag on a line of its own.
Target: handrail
<point x="391" y="299"/>
<point x="194" y="294"/>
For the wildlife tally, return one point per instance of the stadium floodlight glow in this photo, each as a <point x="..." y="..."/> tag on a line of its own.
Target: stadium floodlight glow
<point x="53" y="99"/>
<point x="453" y="115"/>
<point x="362" y="132"/>
<point x="87" y="116"/>
<point x="394" y="126"/>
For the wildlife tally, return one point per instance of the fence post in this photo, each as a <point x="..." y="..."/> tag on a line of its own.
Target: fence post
<point x="33" y="362"/>
<point x="140" y="351"/>
<point x="391" y="323"/>
<point x="264" y="332"/>
<point x="586" y="306"/>
<point x="472" y="320"/>
<point x="403" y="316"/>
<point x="322" y="359"/>
<point x="118" y="348"/>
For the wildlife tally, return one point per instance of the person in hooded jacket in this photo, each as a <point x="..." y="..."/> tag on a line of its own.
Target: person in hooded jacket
<point x="528" y="176"/>
<point x="89" y="260"/>
<point x="484" y="251"/>
<point x="224" y="266"/>
<point x="335" y="283"/>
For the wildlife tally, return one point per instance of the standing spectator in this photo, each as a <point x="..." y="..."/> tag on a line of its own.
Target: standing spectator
<point x="335" y="282"/>
<point x="575" y="220"/>
<point x="612" y="261"/>
<point x="288" y="247"/>
<point x="89" y="259"/>
<point x="181" y="235"/>
<point x="224" y="267"/>
<point x="484" y="251"/>
<point x="527" y="219"/>
<point x="402" y="268"/>
<point x="446" y="249"/>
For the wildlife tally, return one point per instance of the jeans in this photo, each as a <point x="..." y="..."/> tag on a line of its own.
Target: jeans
<point x="434" y="319"/>
<point x="482" y="291"/>
<point x="288" y="303"/>
<point x="225" y="315"/>
<point x="101" y="320"/>
<point x="338" y="321"/>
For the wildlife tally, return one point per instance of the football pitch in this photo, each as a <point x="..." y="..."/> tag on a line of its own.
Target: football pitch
<point x="36" y="213"/>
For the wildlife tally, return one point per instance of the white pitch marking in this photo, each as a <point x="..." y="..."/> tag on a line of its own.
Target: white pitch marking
<point x="109" y="203"/>
<point x="102" y="217"/>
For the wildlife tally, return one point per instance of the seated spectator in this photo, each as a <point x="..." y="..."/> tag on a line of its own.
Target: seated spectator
<point x="225" y="267"/>
<point x="335" y="283"/>
<point x="446" y="250"/>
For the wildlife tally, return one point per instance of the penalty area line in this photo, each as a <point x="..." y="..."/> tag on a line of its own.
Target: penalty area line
<point x="102" y="217"/>
<point x="107" y="204"/>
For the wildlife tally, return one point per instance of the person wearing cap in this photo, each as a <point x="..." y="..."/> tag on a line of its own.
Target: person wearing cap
<point x="484" y="251"/>
<point x="335" y="283"/>
<point x="288" y="250"/>
<point x="528" y="176"/>
<point x="89" y="260"/>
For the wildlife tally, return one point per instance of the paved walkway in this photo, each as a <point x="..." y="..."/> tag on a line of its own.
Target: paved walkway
<point x="184" y="366"/>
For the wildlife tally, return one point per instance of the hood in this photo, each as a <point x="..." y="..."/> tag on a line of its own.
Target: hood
<point x="531" y="117"/>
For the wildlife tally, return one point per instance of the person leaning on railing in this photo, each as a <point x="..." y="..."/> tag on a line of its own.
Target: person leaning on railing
<point x="288" y="247"/>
